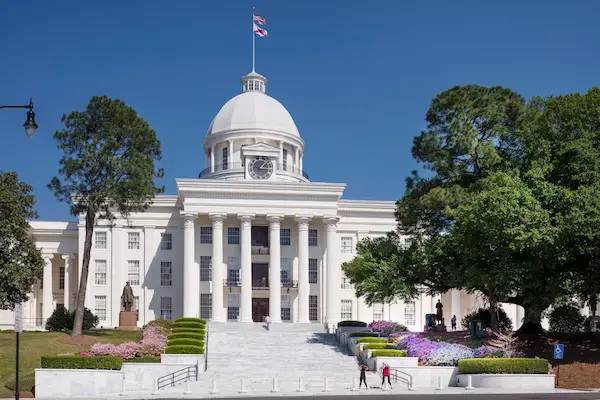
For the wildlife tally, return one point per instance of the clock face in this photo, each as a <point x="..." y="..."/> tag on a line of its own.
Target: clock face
<point x="260" y="168"/>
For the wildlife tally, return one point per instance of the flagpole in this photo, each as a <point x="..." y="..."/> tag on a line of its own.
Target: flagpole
<point x="253" y="39"/>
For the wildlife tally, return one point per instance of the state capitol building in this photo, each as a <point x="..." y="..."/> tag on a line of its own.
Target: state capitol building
<point x="251" y="236"/>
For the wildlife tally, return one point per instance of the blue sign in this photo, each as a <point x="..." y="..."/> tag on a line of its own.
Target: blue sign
<point x="559" y="351"/>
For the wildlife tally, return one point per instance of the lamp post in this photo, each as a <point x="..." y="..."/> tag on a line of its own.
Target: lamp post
<point x="29" y="125"/>
<point x="18" y="329"/>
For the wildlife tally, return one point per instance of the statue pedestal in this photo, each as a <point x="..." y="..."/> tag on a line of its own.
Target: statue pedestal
<point x="127" y="320"/>
<point x="439" y="328"/>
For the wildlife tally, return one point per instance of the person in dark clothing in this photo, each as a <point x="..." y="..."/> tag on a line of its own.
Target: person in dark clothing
<point x="385" y="372"/>
<point x="453" y="320"/>
<point x="363" y="376"/>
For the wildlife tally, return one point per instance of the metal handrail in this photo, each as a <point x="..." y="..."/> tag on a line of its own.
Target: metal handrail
<point x="236" y="166"/>
<point x="181" y="375"/>
<point x="395" y="375"/>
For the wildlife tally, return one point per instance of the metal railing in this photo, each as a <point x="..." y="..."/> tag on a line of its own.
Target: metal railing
<point x="258" y="250"/>
<point x="181" y="375"/>
<point x="238" y="167"/>
<point x="397" y="375"/>
<point x="259" y="283"/>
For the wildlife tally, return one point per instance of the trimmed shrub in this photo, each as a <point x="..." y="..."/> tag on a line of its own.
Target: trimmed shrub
<point x="380" y="346"/>
<point x="186" y="342"/>
<point x="359" y="324"/>
<point x="364" y="334"/>
<point x="162" y="323"/>
<point x="190" y="325"/>
<point x="371" y="340"/>
<point x="187" y="335"/>
<point x="188" y="330"/>
<point x="503" y="366"/>
<point x="484" y="315"/>
<point x="199" y="320"/>
<point x="62" y="320"/>
<point x="566" y="319"/>
<point x="388" y="353"/>
<point x="82" y="362"/>
<point x="184" y="350"/>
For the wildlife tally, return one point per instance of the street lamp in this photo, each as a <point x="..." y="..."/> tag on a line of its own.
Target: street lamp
<point x="29" y="125"/>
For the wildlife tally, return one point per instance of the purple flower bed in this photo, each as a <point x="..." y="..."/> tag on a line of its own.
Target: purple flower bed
<point x="386" y="328"/>
<point x="153" y="343"/>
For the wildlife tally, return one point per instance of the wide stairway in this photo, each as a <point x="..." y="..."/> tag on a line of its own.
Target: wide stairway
<point x="287" y="352"/>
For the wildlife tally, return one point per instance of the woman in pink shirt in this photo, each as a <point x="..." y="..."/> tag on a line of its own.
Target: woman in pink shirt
<point x="385" y="372"/>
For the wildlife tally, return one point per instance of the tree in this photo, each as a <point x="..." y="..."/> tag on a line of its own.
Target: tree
<point x="108" y="167"/>
<point x="21" y="263"/>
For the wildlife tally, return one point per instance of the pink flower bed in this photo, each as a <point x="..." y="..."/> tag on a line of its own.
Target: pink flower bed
<point x="153" y="343"/>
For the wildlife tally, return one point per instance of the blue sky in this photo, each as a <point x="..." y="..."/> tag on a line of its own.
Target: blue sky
<point x="357" y="77"/>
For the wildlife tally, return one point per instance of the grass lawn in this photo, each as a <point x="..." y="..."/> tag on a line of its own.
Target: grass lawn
<point x="37" y="344"/>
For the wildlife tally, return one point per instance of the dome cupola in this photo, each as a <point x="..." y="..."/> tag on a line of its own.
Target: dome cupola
<point x="254" y="82"/>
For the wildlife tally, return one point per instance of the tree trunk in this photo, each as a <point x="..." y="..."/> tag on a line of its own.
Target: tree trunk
<point x="532" y="321"/>
<point x="593" y="304"/>
<point x="494" y="315"/>
<point x="90" y="218"/>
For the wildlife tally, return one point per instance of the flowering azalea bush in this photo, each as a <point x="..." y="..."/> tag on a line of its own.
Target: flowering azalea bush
<point x="387" y="327"/>
<point x="153" y="343"/>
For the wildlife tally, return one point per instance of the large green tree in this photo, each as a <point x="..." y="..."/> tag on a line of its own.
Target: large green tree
<point x="107" y="169"/>
<point x="21" y="263"/>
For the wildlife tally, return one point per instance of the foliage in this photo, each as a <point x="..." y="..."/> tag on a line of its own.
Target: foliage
<point x="364" y="334"/>
<point x="186" y="335"/>
<point x="566" y="318"/>
<point x="186" y="342"/>
<point x="371" y="340"/>
<point x="153" y="343"/>
<point x="191" y="319"/>
<point x="191" y="325"/>
<point x="503" y="366"/>
<point x="21" y="263"/>
<point x="164" y="324"/>
<point x="188" y="330"/>
<point x="448" y="355"/>
<point x="107" y="166"/>
<point x="484" y="315"/>
<point x="379" y="346"/>
<point x="352" y="323"/>
<point x="82" y="362"/>
<point x="388" y="353"/>
<point x="506" y="343"/>
<point x="387" y="327"/>
<point x="62" y="320"/>
<point x="184" y="350"/>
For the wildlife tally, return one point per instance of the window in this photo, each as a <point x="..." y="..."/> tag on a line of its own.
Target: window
<point x="284" y="161"/>
<point x="313" y="308"/>
<point x="233" y="306"/>
<point x="205" y="268"/>
<point x="61" y="278"/>
<point x="133" y="272"/>
<point x="313" y="237"/>
<point x="100" y="240"/>
<point x="233" y="271"/>
<point x="225" y="158"/>
<point x="206" y="234"/>
<point x="100" y="307"/>
<point x="205" y="305"/>
<point x="136" y="300"/>
<point x="346" y="309"/>
<point x="285" y="238"/>
<point x="313" y="270"/>
<point x="100" y="272"/>
<point x="347" y="245"/>
<point x="286" y="271"/>
<point x="378" y="312"/>
<point x="133" y="240"/>
<point x="166" y="273"/>
<point x="346" y="283"/>
<point x="286" y="308"/>
<point x="409" y="314"/>
<point x="166" y="241"/>
<point x="165" y="308"/>
<point x="233" y="235"/>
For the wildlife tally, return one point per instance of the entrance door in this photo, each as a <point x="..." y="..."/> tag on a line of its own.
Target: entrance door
<point x="260" y="308"/>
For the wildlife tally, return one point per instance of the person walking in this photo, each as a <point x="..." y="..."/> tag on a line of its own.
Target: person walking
<point x="453" y="322"/>
<point x="385" y="372"/>
<point x="268" y="321"/>
<point x="363" y="376"/>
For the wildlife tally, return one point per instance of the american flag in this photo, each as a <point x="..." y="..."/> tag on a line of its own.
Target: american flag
<point x="260" y="20"/>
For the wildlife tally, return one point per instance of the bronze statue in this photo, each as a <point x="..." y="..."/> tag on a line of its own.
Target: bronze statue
<point x="440" y="311"/>
<point x="127" y="298"/>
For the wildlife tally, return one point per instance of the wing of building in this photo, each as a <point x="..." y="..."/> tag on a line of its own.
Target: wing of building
<point x="251" y="236"/>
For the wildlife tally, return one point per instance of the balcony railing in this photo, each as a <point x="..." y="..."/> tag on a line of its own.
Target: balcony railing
<point x="259" y="283"/>
<point x="289" y="284"/>
<point x="237" y="167"/>
<point x="232" y="282"/>
<point x="262" y="283"/>
<point x="260" y="250"/>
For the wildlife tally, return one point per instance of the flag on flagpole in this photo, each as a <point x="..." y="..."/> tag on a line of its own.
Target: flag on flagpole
<point x="259" y="31"/>
<point x="260" y="20"/>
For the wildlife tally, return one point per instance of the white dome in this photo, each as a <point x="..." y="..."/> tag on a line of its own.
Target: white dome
<point x="253" y="110"/>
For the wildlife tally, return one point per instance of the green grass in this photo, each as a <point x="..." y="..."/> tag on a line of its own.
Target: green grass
<point x="34" y="345"/>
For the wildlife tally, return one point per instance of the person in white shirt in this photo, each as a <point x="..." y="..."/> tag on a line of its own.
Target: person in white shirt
<point x="268" y="321"/>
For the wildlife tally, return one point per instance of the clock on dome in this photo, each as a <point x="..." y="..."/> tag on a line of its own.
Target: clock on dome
<point x="260" y="167"/>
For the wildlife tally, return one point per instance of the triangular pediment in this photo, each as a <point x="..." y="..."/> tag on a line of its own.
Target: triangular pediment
<point x="260" y="146"/>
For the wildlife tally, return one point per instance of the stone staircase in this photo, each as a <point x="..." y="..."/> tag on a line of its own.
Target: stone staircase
<point x="287" y="352"/>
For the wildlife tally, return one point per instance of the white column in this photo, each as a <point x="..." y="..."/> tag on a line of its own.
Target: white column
<point x="212" y="159"/>
<point x="303" y="285"/>
<point x="275" y="267"/>
<point x="218" y="311"/>
<point x="519" y="319"/>
<point x="47" y="290"/>
<point x="191" y="274"/>
<point x="281" y="162"/>
<point x="296" y="158"/>
<point x="67" y="290"/>
<point x="334" y="275"/>
<point x="301" y="161"/>
<point x="246" y="265"/>
<point x="456" y="306"/>
<point x="230" y="156"/>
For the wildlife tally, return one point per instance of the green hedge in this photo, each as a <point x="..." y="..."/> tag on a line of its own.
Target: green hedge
<point x="193" y="330"/>
<point x="503" y="366"/>
<point x="380" y="346"/>
<point x="388" y="353"/>
<point x="186" y="335"/>
<point x="184" y="350"/>
<point x="192" y="325"/>
<point x="199" y="320"/>
<point x="186" y="342"/>
<point x="371" y="340"/>
<point x="364" y="334"/>
<point x="82" y="362"/>
<point x="352" y="323"/>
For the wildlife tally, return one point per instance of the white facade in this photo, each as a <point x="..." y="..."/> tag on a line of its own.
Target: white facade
<point x="251" y="236"/>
